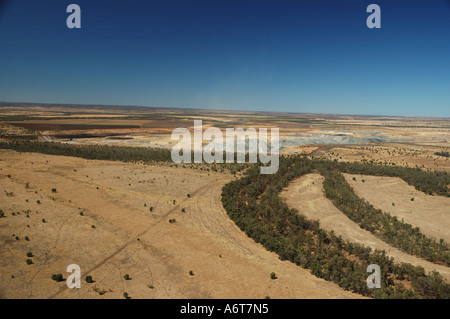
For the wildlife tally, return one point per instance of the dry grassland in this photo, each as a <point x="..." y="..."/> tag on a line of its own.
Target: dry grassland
<point x="128" y="238"/>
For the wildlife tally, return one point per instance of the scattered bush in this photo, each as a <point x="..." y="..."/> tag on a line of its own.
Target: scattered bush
<point x="57" y="277"/>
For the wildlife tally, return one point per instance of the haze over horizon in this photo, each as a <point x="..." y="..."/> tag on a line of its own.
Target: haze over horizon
<point x="269" y="56"/>
<point x="219" y="110"/>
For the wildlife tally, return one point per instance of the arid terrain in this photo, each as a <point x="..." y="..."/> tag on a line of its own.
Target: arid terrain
<point x="130" y="239"/>
<point x="165" y="226"/>
<point x="393" y="195"/>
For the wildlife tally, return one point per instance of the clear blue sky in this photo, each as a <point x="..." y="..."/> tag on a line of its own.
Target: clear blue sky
<point x="294" y="56"/>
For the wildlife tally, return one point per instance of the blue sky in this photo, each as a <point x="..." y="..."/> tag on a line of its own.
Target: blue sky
<point x="293" y="56"/>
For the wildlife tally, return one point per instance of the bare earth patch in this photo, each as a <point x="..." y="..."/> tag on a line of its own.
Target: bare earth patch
<point x="393" y="195"/>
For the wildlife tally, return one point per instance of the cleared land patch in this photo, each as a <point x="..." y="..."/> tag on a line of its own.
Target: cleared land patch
<point x="306" y="194"/>
<point x="393" y="195"/>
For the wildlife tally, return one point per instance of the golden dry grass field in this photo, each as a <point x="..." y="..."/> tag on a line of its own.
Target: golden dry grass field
<point x="128" y="238"/>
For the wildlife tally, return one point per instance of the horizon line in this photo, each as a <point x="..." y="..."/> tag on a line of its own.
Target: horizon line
<point x="217" y="109"/>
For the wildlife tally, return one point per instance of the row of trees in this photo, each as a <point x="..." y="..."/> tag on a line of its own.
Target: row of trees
<point x="445" y="154"/>
<point x="113" y="153"/>
<point x="98" y="152"/>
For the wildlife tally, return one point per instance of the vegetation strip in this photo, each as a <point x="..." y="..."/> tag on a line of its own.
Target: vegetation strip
<point x="145" y="155"/>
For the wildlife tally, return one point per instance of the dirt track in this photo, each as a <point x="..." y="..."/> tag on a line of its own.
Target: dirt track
<point x="128" y="238"/>
<point x="306" y="194"/>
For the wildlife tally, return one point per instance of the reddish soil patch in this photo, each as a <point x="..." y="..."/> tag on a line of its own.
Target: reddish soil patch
<point x="69" y="127"/>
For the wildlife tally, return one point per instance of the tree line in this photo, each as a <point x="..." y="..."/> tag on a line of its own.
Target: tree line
<point x="146" y="155"/>
<point x="445" y="154"/>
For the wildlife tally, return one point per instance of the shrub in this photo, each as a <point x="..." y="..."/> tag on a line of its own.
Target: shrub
<point x="53" y="190"/>
<point x="273" y="276"/>
<point x="57" y="277"/>
<point x="100" y="291"/>
<point x="29" y="261"/>
<point x="126" y="277"/>
<point x="89" y="279"/>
